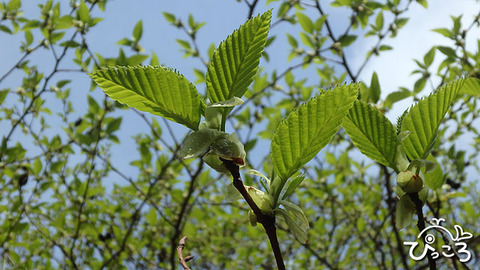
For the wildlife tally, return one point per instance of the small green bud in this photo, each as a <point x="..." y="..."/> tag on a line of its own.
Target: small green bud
<point x="229" y="148"/>
<point x="252" y="217"/>
<point x="409" y="182"/>
<point x="263" y="200"/>
<point x="215" y="163"/>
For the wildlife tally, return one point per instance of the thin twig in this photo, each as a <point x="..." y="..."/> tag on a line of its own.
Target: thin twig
<point x="180" y="247"/>
<point x="183" y="208"/>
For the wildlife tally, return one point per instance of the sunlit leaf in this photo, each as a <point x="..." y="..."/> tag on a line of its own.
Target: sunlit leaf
<point x="235" y="62"/>
<point x="156" y="90"/>
<point x="372" y="133"/>
<point x="305" y="131"/>
<point x="424" y="118"/>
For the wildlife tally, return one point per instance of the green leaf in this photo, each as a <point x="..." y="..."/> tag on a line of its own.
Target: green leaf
<point x="375" y="88"/>
<point x="292" y="185"/>
<point x="156" y="90"/>
<point x="198" y="142"/>
<point x="5" y="29"/>
<point x="3" y="95"/>
<point x="154" y="59"/>
<point x="28" y="38"/>
<point x="346" y="40"/>
<point x="385" y="48"/>
<point x="83" y="12"/>
<point x="397" y="96"/>
<point x="443" y="31"/>
<point x="447" y="51"/>
<point x="372" y="133"/>
<point x="169" y="17"/>
<point x="424" y="118"/>
<point x="302" y="221"/>
<point x="434" y="179"/>
<point x="428" y="58"/>
<point x="235" y="62"/>
<point x="14" y="5"/>
<point x="292" y="224"/>
<point x="305" y="22"/>
<point x="37" y="166"/>
<point x="379" y="21"/>
<point x="471" y="87"/>
<point x="292" y="41"/>
<point x="232" y="102"/>
<point x="114" y="125"/>
<point x="138" y="31"/>
<point x="302" y="134"/>
<point x="405" y="211"/>
<point x="423" y="3"/>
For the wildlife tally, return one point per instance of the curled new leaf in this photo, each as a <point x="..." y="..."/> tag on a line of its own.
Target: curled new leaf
<point x="198" y="142"/>
<point x="404" y="213"/>
<point x="229" y="148"/>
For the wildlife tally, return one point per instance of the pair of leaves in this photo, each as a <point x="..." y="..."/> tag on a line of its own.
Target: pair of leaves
<point x="306" y="130"/>
<point x="375" y="136"/>
<point x="166" y="93"/>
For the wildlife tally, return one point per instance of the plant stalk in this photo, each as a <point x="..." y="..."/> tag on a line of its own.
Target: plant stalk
<point x="268" y="222"/>
<point x="421" y="226"/>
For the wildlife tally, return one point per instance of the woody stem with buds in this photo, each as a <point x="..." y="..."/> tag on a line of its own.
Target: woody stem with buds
<point x="267" y="221"/>
<point x="421" y="225"/>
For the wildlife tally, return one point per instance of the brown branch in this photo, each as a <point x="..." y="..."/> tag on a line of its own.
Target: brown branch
<point x="180" y="247"/>
<point x="421" y="226"/>
<point x="267" y="221"/>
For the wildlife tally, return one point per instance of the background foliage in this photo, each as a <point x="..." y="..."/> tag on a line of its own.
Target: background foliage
<point x="66" y="200"/>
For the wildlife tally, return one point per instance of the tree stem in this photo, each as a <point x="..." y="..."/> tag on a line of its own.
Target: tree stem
<point x="421" y="226"/>
<point x="268" y="222"/>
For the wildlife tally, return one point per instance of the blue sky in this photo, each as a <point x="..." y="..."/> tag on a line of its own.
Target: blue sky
<point x="222" y="17"/>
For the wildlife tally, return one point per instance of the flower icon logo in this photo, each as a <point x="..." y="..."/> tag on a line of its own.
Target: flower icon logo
<point x="455" y="245"/>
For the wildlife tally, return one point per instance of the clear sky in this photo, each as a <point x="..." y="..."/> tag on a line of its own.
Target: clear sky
<point x="222" y="17"/>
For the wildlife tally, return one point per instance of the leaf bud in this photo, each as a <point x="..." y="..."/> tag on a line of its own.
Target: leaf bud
<point x="409" y="182"/>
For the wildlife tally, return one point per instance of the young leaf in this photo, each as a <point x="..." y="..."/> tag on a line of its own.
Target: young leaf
<point x="292" y="185"/>
<point x="305" y="22"/>
<point x="83" y="12"/>
<point x="302" y="134"/>
<point x="138" y="31"/>
<point x="434" y="179"/>
<point x="235" y="62"/>
<point x="471" y="87"/>
<point x="232" y="102"/>
<point x="372" y="133"/>
<point x="156" y="90"/>
<point x="405" y="211"/>
<point x="298" y="231"/>
<point x="198" y="142"/>
<point x="375" y="88"/>
<point x="397" y="96"/>
<point x="424" y="118"/>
